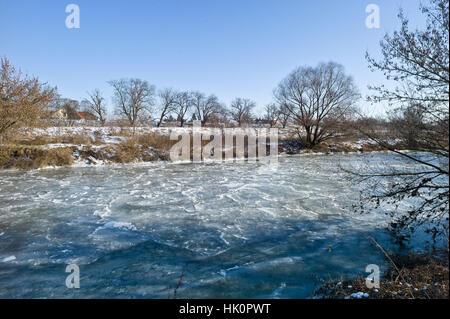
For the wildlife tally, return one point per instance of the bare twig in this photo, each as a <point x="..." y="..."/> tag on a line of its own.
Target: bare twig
<point x="392" y="262"/>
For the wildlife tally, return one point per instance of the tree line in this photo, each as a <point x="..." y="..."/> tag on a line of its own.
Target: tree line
<point x="138" y="101"/>
<point x="317" y="99"/>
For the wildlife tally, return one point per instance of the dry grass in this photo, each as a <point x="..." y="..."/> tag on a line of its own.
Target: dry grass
<point x="127" y="152"/>
<point x="35" y="141"/>
<point x="419" y="276"/>
<point x="321" y="148"/>
<point x="24" y="157"/>
<point x="77" y="139"/>
<point x="156" y="141"/>
<point x="23" y="152"/>
<point x="335" y="146"/>
<point x="145" y="148"/>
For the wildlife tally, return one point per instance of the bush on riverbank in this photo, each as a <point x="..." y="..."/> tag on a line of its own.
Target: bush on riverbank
<point x="420" y="276"/>
<point x="25" y="157"/>
<point x="290" y="146"/>
<point x="145" y="148"/>
<point x="32" y="153"/>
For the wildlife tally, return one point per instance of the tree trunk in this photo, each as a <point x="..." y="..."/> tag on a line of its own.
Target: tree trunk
<point x="160" y="120"/>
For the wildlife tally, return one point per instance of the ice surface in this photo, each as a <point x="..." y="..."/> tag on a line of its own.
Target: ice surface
<point x="229" y="229"/>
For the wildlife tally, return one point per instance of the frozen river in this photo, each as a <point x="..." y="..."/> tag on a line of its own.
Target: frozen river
<point x="231" y="230"/>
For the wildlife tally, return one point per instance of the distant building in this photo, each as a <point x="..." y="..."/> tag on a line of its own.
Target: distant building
<point x="65" y="112"/>
<point x="87" y="116"/>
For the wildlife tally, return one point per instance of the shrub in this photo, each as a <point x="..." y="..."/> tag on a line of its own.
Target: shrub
<point x="22" y="99"/>
<point x="20" y="157"/>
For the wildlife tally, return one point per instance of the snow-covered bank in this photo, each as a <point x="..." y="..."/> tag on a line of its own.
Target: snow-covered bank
<point x="93" y="146"/>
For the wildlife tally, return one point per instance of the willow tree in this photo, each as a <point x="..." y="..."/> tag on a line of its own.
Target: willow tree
<point x="318" y="99"/>
<point x="133" y="99"/>
<point x="241" y="110"/>
<point x="206" y="107"/>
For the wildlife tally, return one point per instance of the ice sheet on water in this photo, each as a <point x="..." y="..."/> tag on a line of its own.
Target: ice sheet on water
<point x="118" y="225"/>
<point x="206" y="219"/>
<point x="7" y="259"/>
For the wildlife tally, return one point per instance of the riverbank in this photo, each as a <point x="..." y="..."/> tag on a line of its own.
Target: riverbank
<point x="56" y="147"/>
<point x="83" y="148"/>
<point x="411" y="276"/>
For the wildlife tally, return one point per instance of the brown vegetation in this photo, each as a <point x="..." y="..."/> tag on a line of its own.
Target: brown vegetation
<point x="29" y="157"/>
<point x="140" y="148"/>
<point x="22" y="99"/>
<point x="23" y="152"/>
<point x="39" y="140"/>
<point x="419" y="276"/>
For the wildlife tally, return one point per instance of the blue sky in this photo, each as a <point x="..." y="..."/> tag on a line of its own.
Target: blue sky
<point x="232" y="48"/>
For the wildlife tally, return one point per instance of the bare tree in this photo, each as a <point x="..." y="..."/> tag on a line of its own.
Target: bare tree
<point x="272" y="114"/>
<point x="168" y="99"/>
<point x="283" y="115"/>
<point x="96" y="104"/>
<point x="183" y="104"/>
<point x="205" y="107"/>
<point x="22" y="99"/>
<point x="418" y="62"/>
<point x="318" y="99"/>
<point x="241" y="110"/>
<point x="133" y="98"/>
